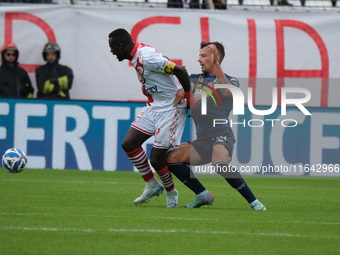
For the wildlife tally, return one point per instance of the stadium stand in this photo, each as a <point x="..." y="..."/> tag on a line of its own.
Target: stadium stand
<point x="277" y="5"/>
<point x="304" y="4"/>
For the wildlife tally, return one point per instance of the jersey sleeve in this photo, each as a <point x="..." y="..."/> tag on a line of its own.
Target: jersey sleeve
<point x="233" y="81"/>
<point x="156" y="62"/>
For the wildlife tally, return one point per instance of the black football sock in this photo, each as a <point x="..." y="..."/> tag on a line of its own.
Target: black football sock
<point x="186" y="176"/>
<point x="235" y="180"/>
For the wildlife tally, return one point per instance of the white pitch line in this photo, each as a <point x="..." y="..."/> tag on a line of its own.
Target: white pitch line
<point x="164" y="218"/>
<point x="140" y="183"/>
<point x="107" y="216"/>
<point x="188" y="231"/>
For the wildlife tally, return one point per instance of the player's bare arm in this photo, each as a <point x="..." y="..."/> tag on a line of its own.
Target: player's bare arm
<point x="182" y="75"/>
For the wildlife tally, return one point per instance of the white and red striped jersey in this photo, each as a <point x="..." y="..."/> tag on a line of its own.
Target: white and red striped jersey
<point x="159" y="87"/>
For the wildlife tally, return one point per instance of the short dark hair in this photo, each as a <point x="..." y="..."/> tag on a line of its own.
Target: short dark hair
<point x="120" y="35"/>
<point x="219" y="47"/>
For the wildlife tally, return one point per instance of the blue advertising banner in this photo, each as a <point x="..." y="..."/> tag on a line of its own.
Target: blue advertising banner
<point x="87" y="135"/>
<point x="69" y="134"/>
<point x="292" y="144"/>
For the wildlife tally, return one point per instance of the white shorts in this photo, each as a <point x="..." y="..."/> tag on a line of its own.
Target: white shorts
<point x="167" y="126"/>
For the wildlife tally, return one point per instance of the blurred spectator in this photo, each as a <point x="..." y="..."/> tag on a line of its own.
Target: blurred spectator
<point x="14" y="81"/>
<point x="214" y="4"/>
<point x="195" y="4"/>
<point x="53" y="80"/>
<point x="186" y="4"/>
<point x="281" y="2"/>
<point x="284" y="2"/>
<point x="175" y="4"/>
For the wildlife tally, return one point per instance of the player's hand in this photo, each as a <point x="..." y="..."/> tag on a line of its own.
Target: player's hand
<point x="191" y="100"/>
<point x="179" y="98"/>
<point x="215" y="56"/>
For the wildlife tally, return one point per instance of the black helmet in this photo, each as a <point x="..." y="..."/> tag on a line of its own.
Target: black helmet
<point x="51" y="47"/>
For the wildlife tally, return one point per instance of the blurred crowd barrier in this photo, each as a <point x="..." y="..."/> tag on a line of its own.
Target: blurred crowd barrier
<point x="274" y="5"/>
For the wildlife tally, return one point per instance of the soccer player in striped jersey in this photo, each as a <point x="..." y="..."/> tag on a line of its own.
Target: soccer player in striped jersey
<point x="165" y="85"/>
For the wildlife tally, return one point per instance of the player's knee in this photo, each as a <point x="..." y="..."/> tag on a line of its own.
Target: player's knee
<point x="170" y="157"/>
<point x="221" y="154"/>
<point x="127" y="146"/>
<point x="157" y="163"/>
<point x="174" y="156"/>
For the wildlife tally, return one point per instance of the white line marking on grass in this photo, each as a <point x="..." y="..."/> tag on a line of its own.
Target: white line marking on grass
<point x="309" y="222"/>
<point x="106" y="216"/>
<point x="139" y="183"/>
<point x="47" y="229"/>
<point x="188" y="231"/>
<point x="164" y="218"/>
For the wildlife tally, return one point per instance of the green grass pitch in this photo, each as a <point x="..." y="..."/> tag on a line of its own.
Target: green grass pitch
<point x="92" y="212"/>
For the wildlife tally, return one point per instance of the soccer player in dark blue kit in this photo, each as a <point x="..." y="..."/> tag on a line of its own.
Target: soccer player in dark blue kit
<point x="213" y="144"/>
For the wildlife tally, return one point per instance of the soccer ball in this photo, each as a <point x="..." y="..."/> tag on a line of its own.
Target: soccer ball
<point x="14" y="160"/>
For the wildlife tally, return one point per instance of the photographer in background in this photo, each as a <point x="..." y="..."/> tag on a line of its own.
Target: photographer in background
<point x="14" y="81"/>
<point x="53" y="80"/>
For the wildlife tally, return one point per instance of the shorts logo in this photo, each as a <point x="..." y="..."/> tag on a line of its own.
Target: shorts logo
<point x="221" y="139"/>
<point x="157" y="132"/>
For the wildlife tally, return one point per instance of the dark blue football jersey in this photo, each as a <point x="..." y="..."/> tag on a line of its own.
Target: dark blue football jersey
<point x="218" y="106"/>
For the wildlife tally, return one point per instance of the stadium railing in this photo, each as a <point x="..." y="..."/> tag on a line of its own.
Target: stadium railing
<point x="276" y="5"/>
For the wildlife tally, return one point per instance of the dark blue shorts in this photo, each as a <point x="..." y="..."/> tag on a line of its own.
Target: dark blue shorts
<point x="208" y="138"/>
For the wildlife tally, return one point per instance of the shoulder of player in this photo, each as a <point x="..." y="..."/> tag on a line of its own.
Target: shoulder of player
<point x="233" y="80"/>
<point x="147" y="54"/>
<point x="193" y="76"/>
<point x="147" y="49"/>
